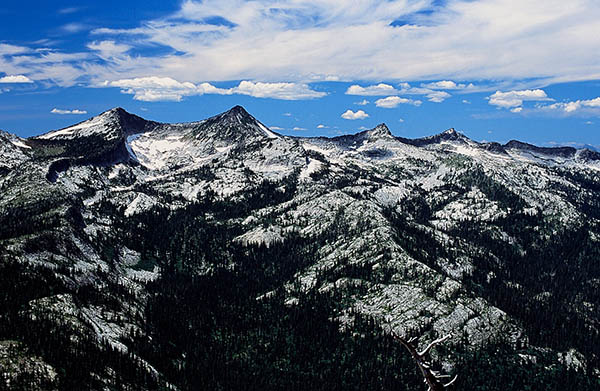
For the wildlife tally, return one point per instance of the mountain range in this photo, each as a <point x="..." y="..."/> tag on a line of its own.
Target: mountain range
<point x="220" y="254"/>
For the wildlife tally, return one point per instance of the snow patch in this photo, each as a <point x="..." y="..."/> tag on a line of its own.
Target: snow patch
<point x="142" y="202"/>
<point x="20" y="144"/>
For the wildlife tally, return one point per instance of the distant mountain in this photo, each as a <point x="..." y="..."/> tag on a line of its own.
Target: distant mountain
<point x="219" y="254"/>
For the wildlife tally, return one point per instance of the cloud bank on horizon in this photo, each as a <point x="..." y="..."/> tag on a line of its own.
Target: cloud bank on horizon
<point x="321" y="40"/>
<point x="396" y="53"/>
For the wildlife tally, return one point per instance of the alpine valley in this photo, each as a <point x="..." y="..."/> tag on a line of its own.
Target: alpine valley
<point x="220" y="255"/>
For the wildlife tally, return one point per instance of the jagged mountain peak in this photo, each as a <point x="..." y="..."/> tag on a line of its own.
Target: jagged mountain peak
<point x="447" y="135"/>
<point x="452" y="135"/>
<point x="380" y="130"/>
<point x="234" y="125"/>
<point x="112" y="124"/>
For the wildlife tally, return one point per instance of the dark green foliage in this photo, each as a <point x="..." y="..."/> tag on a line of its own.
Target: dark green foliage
<point x="496" y="367"/>
<point x="211" y="333"/>
<point x="73" y="351"/>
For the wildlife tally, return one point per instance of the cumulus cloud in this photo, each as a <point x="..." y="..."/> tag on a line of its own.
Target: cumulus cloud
<point x="393" y="101"/>
<point x="383" y="89"/>
<point x="447" y="85"/>
<point x="590" y="106"/>
<point x="512" y="99"/>
<point x="63" y="112"/>
<point x="374" y="90"/>
<point x="363" y="102"/>
<point x="351" y="115"/>
<point x="431" y="95"/>
<point x="154" y="88"/>
<point x="15" y="79"/>
<point x="438" y="96"/>
<point x="285" y="91"/>
<point x="321" y="126"/>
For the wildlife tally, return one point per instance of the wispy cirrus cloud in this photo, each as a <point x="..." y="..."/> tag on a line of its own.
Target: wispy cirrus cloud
<point x="67" y="112"/>
<point x="69" y="10"/>
<point x="74" y="27"/>
<point x="448" y="85"/>
<point x="302" y="41"/>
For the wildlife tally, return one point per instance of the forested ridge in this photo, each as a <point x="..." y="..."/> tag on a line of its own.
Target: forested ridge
<point x="220" y="255"/>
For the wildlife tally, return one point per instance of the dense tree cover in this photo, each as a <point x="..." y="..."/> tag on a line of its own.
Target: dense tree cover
<point x="217" y="318"/>
<point x="74" y="352"/>
<point x="542" y="276"/>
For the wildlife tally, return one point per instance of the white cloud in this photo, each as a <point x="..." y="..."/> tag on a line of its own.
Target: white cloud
<point x="355" y="41"/>
<point x="7" y="49"/>
<point x="363" y="102"/>
<point x="516" y="109"/>
<point x="447" y="85"/>
<point x="108" y="49"/>
<point x="68" y="10"/>
<point x="285" y="91"/>
<point x="276" y="128"/>
<point x="382" y="89"/>
<point x="74" y="27"/>
<point x="17" y="79"/>
<point x="431" y="95"/>
<point x="401" y="120"/>
<point x="393" y="101"/>
<point x="74" y="111"/>
<point x="310" y="40"/>
<point x="374" y="90"/>
<point x="321" y="126"/>
<point x="298" y="128"/>
<point x="154" y="89"/>
<point x="516" y="98"/>
<point x="467" y="102"/>
<point x="351" y="115"/>
<point x="287" y="114"/>
<point x="590" y="106"/>
<point x="438" y="96"/>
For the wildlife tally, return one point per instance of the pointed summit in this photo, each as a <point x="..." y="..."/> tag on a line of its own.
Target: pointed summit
<point x="379" y="131"/>
<point x="112" y="124"/>
<point x="234" y="125"/>
<point x="451" y="135"/>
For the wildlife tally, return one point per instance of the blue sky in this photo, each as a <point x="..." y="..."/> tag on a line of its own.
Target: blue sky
<point x="494" y="69"/>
